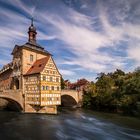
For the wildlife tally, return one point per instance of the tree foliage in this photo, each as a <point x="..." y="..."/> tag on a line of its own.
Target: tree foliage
<point x="62" y="83"/>
<point x="116" y="91"/>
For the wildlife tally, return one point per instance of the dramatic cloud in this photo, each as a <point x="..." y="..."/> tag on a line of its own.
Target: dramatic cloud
<point x="86" y="37"/>
<point x="67" y="72"/>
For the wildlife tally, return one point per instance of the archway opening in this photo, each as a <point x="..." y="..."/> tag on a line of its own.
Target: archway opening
<point x="16" y="84"/>
<point x="68" y="101"/>
<point x="12" y="105"/>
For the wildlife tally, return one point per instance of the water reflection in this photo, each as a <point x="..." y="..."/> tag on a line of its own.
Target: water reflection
<point x="68" y="125"/>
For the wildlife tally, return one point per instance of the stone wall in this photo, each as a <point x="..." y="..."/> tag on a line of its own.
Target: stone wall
<point x="3" y="103"/>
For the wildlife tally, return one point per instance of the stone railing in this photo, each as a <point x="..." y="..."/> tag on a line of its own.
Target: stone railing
<point x="68" y="90"/>
<point x="11" y="91"/>
<point x="15" y="95"/>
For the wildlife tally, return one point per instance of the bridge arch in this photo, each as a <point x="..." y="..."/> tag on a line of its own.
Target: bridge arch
<point x="68" y="101"/>
<point x="12" y="104"/>
<point x="71" y="98"/>
<point x="14" y="98"/>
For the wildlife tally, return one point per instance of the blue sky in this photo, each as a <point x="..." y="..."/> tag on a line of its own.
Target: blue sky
<point x="86" y="37"/>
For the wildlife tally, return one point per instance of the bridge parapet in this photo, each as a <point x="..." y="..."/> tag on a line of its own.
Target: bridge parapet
<point x="77" y="95"/>
<point x="15" y="95"/>
<point x="12" y="91"/>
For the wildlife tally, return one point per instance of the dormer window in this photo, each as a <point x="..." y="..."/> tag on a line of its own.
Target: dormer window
<point x="31" y="58"/>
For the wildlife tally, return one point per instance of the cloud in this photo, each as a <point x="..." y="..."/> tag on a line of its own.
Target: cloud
<point x="85" y="42"/>
<point x="82" y="40"/>
<point x="93" y="50"/>
<point x="19" y="4"/>
<point x="13" y="31"/>
<point x="43" y="36"/>
<point x="133" y="52"/>
<point x="4" y="62"/>
<point x="84" y="6"/>
<point x="66" y="72"/>
<point x="127" y="28"/>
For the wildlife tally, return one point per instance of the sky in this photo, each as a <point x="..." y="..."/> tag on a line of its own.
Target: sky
<point x="86" y="37"/>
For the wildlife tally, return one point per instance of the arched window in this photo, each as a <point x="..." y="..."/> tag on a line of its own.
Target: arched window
<point x="16" y="84"/>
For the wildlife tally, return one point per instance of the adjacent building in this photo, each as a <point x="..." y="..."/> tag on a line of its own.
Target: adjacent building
<point x="33" y="72"/>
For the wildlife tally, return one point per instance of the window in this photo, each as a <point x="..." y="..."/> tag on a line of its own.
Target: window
<point x="43" y="87"/>
<point x="47" y="88"/>
<point x="37" y="88"/>
<point x="51" y="79"/>
<point x="57" y="79"/>
<point x="31" y="58"/>
<point x="33" y="36"/>
<point x="52" y="87"/>
<point x="49" y="99"/>
<point x="57" y="88"/>
<point x="44" y="78"/>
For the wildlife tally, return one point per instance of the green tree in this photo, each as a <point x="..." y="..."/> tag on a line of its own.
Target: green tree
<point x="62" y="83"/>
<point x="118" y="91"/>
<point x="89" y="95"/>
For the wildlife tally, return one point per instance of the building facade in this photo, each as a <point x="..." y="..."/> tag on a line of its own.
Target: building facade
<point x="34" y="72"/>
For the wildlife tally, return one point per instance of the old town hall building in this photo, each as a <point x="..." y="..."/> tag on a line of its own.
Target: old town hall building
<point x="34" y="73"/>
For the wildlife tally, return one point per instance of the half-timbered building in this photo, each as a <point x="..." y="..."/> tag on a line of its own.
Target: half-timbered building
<point x="34" y="72"/>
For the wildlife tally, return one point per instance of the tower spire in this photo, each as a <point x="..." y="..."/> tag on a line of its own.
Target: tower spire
<point x="32" y="21"/>
<point x="32" y="32"/>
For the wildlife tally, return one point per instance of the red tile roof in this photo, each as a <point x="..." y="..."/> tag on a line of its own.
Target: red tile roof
<point x="38" y="66"/>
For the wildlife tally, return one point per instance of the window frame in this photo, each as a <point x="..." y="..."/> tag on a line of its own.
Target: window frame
<point x="31" y="58"/>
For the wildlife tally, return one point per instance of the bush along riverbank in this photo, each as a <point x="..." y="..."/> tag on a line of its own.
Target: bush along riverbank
<point x="114" y="92"/>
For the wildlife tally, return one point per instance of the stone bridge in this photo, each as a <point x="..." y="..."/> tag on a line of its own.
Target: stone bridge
<point x="13" y="97"/>
<point x="69" y="98"/>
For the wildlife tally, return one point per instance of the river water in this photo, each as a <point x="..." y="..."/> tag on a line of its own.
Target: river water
<point x="68" y="125"/>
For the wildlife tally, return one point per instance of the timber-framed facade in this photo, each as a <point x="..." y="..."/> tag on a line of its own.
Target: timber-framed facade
<point x="34" y="72"/>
